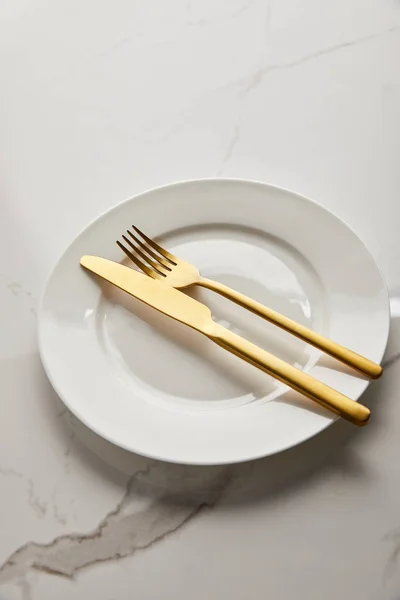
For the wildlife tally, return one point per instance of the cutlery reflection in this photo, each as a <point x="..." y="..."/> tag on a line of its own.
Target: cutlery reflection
<point x="181" y="307"/>
<point x="160" y="264"/>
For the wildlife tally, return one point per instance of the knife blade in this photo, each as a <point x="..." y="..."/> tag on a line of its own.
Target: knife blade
<point x="196" y="315"/>
<point x="153" y="292"/>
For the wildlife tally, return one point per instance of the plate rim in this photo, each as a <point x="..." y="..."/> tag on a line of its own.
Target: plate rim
<point x="203" y="462"/>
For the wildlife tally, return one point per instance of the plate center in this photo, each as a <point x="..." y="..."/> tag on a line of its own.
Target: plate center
<point x="159" y="359"/>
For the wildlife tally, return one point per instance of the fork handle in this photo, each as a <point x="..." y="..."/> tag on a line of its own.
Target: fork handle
<point x="298" y="380"/>
<point x="346" y="356"/>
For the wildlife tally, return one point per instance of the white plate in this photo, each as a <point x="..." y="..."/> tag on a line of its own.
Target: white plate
<point x="155" y="387"/>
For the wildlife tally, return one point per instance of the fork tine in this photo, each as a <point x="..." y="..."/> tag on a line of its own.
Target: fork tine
<point x="159" y="249"/>
<point x="137" y="262"/>
<point x="155" y="267"/>
<point x="163" y="263"/>
<point x="143" y="267"/>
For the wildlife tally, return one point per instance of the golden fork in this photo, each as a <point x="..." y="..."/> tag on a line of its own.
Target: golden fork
<point x="160" y="264"/>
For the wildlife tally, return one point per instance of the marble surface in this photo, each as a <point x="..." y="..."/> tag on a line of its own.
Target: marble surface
<point x="100" y="101"/>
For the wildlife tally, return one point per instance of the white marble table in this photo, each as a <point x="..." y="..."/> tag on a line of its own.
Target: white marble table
<point x="102" y="100"/>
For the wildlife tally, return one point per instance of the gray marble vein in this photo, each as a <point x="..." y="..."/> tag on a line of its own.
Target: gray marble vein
<point x="225" y="18"/>
<point x="253" y="81"/>
<point x="144" y="516"/>
<point x="19" y="291"/>
<point x="394" y="538"/>
<point x="10" y="472"/>
<point x="231" y="146"/>
<point x="33" y="500"/>
<point x="256" y="78"/>
<point x="38" y="505"/>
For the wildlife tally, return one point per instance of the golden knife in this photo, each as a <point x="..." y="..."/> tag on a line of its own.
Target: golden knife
<point x="182" y="308"/>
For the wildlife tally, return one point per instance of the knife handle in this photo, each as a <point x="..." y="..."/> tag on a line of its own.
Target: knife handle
<point x="345" y="355"/>
<point x="298" y="380"/>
